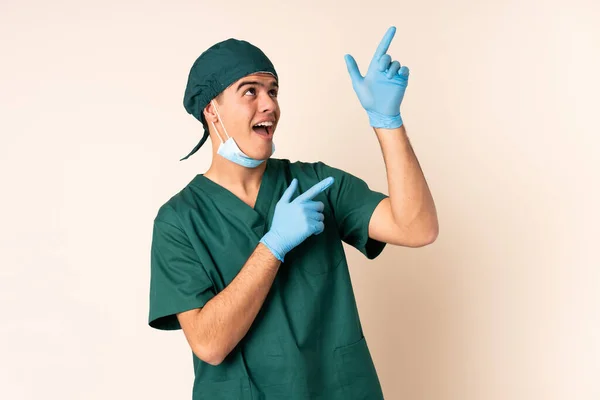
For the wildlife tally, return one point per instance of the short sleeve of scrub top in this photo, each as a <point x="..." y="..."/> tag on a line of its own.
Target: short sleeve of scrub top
<point x="178" y="282"/>
<point x="353" y="203"/>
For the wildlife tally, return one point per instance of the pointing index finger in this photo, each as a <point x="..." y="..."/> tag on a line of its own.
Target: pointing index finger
<point x="384" y="45"/>
<point x="316" y="189"/>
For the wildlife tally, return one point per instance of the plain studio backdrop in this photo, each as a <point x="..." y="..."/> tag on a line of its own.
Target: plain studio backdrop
<point x="501" y="109"/>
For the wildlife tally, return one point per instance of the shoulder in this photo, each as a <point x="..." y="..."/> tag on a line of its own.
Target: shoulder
<point x="181" y="203"/>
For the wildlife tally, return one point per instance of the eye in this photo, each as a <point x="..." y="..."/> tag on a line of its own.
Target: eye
<point x="252" y="91"/>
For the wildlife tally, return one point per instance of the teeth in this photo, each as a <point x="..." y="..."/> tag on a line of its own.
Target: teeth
<point x="266" y="123"/>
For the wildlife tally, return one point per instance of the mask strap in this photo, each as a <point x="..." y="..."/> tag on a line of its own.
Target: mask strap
<point x="218" y="134"/>
<point x="221" y="121"/>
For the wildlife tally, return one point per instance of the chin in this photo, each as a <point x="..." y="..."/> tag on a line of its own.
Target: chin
<point x="261" y="152"/>
<point x="261" y="155"/>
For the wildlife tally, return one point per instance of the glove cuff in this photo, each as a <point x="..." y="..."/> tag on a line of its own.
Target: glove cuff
<point x="384" y="121"/>
<point x="269" y="241"/>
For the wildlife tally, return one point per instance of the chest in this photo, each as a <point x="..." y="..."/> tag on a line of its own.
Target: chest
<point x="248" y="199"/>
<point x="225" y="238"/>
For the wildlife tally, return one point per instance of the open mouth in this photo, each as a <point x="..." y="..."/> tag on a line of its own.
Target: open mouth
<point x="264" y="130"/>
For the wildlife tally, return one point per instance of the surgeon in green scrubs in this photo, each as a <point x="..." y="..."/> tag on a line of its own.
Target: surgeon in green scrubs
<point x="247" y="259"/>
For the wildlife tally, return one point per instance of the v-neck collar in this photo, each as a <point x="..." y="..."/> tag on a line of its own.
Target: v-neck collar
<point x="256" y="216"/>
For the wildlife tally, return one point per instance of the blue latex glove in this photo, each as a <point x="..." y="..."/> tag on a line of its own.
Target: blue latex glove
<point x="294" y="221"/>
<point x="381" y="91"/>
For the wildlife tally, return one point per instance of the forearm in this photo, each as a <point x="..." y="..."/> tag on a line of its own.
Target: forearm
<point x="412" y="204"/>
<point x="227" y="317"/>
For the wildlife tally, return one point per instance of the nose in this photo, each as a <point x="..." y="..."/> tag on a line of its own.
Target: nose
<point x="267" y="103"/>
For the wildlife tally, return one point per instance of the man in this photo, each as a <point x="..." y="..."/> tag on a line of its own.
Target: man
<point x="248" y="259"/>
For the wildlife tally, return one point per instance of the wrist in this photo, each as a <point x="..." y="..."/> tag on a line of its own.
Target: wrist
<point x="270" y="241"/>
<point x="378" y="120"/>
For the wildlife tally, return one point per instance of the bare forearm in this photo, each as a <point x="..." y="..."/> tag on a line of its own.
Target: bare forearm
<point x="411" y="200"/>
<point x="227" y="317"/>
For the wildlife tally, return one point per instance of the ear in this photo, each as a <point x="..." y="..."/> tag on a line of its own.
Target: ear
<point x="209" y="113"/>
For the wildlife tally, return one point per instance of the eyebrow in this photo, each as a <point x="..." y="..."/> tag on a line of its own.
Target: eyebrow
<point x="273" y="84"/>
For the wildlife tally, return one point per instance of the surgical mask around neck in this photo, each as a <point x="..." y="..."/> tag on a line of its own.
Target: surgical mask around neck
<point x="230" y="150"/>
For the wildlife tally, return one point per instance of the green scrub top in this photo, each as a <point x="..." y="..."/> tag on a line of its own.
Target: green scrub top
<point x="307" y="340"/>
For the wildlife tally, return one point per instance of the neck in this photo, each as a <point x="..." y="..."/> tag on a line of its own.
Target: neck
<point x="235" y="177"/>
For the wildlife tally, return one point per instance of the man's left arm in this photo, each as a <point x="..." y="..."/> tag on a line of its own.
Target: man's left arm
<point x="408" y="216"/>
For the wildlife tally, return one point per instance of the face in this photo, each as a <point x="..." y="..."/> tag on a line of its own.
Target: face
<point x="244" y="104"/>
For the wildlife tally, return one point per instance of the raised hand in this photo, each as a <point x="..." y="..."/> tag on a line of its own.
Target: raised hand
<point x="381" y="90"/>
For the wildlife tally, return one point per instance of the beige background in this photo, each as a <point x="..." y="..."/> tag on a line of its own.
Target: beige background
<point x="501" y="108"/>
